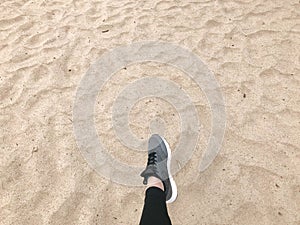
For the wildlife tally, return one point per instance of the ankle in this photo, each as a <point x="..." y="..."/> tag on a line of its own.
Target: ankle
<point x="155" y="182"/>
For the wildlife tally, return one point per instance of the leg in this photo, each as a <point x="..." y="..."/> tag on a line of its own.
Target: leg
<point x="161" y="186"/>
<point x="155" y="209"/>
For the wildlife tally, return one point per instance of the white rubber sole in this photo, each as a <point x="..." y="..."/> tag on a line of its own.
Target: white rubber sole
<point x="173" y="184"/>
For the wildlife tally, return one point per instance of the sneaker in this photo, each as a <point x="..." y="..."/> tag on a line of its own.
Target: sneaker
<point x="159" y="161"/>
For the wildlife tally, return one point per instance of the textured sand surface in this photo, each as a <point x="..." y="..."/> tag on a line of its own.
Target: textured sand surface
<point x="252" y="46"/>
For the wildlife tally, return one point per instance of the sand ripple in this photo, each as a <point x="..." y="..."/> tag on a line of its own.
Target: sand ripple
<point x="253" y="48"/>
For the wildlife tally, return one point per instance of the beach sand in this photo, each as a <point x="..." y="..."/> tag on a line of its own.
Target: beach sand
<point x="252" y="47"/>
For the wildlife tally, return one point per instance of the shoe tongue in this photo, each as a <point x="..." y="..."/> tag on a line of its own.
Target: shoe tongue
<point x="148" y="172"/>
<point x="145" y="181"/>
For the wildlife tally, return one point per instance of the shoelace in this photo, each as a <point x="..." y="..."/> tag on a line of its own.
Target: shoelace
<point x="152" y="158"/>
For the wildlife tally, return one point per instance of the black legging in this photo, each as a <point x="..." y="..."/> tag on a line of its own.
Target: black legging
<point x="155" y="209"/>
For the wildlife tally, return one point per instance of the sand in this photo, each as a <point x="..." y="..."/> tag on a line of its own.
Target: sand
<point x="252" y="47"/>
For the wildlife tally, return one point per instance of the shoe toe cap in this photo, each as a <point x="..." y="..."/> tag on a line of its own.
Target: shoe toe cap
<point x="154" y="141"/>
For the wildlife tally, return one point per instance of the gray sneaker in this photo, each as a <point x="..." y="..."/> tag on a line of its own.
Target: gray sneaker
<point x="159" y="161"/>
